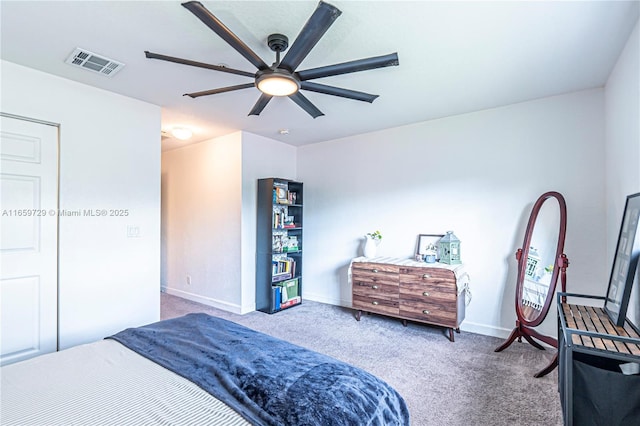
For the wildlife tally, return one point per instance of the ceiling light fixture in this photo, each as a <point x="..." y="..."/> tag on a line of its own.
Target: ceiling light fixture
<point x="181" y="133"/>
<point x="277" y="82"/>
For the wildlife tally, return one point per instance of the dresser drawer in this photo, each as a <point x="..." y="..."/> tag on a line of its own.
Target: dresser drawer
<point x="445" y="314"/>
<point x="375" y="289"/>
<point x="375" y="271"/>
<point x="375" y="305"/>
<point x="427" y="293"/>
<point x="375" y="267"/>
<point x="368" y="280"/>
<point x="436" y="279"/>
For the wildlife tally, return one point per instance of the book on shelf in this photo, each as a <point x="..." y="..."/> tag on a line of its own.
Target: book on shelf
<point x="279" y="215"/>
<point x="283" y="243"/>
<point x="290" y="289"/>
<point x="293" y="197"/>
<point x="281" y="277"/>
<point x="291" y="302"/>
<point x="281" y="267"/>
<point x="276" y="244"/>
<point x="276" y="297"/>
<point x="282" y="195"/>
<point x="292" y="244"/>
<point x="282" y="219"/>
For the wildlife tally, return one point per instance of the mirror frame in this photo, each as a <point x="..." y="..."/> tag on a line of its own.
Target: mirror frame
<point x="522" y="254"/>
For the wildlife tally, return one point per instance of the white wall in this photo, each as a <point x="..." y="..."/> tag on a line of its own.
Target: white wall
<point x="477" y="174"/>
<point x="109" y="159"/>
<point x="209" y="216"/>
<point x="622" y="160"/>
<point x="201" y="208"/>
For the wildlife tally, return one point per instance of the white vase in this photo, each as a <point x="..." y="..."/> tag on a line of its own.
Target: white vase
<point x="370" y="247"/>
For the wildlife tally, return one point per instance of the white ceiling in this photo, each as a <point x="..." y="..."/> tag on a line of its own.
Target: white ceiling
<point x="455" y="57"/>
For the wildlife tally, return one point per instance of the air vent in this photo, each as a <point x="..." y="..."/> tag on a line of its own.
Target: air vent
<point x="90" y="61"/>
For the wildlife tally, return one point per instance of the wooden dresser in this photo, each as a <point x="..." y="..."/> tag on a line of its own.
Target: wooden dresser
<point x="430" y="293"/>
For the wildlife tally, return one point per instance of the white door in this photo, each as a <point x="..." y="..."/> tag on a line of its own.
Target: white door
<point x="28" y="239"/>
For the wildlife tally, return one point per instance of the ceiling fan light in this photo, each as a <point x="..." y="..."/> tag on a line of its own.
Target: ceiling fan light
<point x="277" y="84"/>
<point x="181" y="133"/>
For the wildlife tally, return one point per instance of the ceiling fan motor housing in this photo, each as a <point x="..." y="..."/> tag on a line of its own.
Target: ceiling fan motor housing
<point x="278" y="42"/>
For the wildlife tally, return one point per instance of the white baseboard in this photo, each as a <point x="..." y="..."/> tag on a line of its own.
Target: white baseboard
<point x="225" y="306"/>
<point x="328" y="301"/>
<point x="485" y="330"/>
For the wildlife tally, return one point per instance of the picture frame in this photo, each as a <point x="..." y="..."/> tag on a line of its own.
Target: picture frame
<point x="625" y="262"/>
<point x="424" y="240"/>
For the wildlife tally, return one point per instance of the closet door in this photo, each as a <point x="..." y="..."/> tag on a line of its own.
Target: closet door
<point x="28" y="239"/>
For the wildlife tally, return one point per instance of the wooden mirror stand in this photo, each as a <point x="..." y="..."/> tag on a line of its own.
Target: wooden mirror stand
<point x="536" y="284"/>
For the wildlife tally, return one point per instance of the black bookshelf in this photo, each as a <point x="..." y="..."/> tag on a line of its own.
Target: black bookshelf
<point x="278" y="245"/>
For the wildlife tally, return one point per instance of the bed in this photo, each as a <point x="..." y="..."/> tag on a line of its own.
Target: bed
<point x="194" y="370"/>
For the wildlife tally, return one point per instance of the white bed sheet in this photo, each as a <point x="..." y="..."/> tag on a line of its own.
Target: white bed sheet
<point x="104" y="383"/>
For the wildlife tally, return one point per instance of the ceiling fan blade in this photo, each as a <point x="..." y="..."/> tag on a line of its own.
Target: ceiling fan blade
<point x="349" y="67"/>
<point x="306" y="105"/>
<point x="221" y="90"/>
<point x="259" y="106"/>
<point x="225" y="33"/>
<point x="152" y="55"/>
<point x="322" y="18"/>
<point x="338" y="91"/>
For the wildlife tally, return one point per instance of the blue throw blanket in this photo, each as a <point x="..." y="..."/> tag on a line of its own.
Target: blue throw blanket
<point x="267" y="380"/>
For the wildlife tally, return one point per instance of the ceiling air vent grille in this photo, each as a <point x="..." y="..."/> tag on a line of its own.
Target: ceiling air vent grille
<point x="90" y="61"/>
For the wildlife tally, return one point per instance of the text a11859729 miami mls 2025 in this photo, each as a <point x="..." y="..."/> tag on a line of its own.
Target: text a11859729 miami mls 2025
<point x="65" y="212"/>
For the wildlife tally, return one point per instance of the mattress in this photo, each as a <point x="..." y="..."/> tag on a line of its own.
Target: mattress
<point x="84" y="379"/>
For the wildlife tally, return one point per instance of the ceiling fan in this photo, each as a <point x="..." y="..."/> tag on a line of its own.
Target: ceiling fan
<point x="281" y="78"/>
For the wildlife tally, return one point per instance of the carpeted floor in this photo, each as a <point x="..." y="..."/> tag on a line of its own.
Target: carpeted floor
<point x="443" y="383"/>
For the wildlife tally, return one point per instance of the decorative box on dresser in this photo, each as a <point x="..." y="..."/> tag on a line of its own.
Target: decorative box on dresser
<point x="430" y="293"/>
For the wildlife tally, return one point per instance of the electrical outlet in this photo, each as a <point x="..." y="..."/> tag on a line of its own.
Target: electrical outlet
<point x="133" y="231"/>
<point x="188" y="279"/>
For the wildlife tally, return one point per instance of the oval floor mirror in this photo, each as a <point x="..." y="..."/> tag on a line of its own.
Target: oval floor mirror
<point x="540" y="262"/>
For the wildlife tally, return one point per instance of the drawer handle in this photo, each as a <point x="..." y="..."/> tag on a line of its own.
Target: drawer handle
<point x="426" y="276"/>
<point x="375" y="271"/>
<point x="426" y="293"/>
<point x="374" y="303"/>
<point x="375" y="287"/>
<point x="425" y="312"/>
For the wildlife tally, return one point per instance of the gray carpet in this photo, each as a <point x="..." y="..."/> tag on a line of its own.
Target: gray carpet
<point x="443" y="383"/>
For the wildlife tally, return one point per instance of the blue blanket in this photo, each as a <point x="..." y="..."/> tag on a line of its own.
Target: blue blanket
<point x="267" y="380"/>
